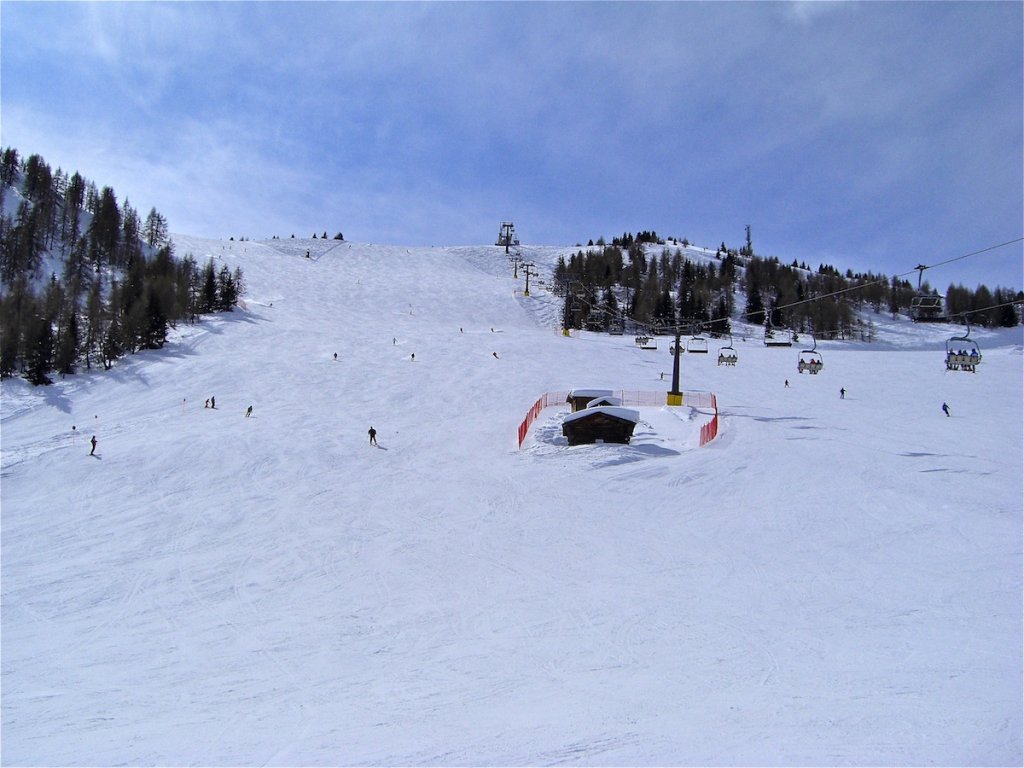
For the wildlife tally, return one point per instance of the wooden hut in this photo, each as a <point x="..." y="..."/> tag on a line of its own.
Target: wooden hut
<point x="579" y="398"/>
<point x="607" y="424"/>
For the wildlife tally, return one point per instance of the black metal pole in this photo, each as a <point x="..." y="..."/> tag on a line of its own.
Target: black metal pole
<point x="675" y="394"/>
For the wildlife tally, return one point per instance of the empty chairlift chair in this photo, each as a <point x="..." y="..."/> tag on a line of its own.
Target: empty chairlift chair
<point x="697" y="344"/>
<point x="777" y="337"/>
<point x="925" y="307"/>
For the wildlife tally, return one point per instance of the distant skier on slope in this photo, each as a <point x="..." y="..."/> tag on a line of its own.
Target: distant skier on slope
<point x="93" y="441"/>
<point x="373" y="435"/>
<point x="945" y="409"/>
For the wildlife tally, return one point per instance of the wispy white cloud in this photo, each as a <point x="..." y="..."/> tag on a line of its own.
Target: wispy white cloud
<point x="815" y="122"/>
<point x="806" y="12"/>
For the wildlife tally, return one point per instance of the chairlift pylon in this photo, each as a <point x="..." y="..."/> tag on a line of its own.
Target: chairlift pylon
<point x="697" y="344"/>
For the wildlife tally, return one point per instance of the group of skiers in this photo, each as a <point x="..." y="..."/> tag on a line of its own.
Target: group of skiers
<point x="211" y="403"/>
<point x="842" y="396"/>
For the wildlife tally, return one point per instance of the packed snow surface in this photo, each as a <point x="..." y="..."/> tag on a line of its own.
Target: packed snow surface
<point x="830" y="581"/>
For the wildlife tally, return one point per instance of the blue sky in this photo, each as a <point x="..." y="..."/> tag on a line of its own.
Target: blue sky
<point x="873" y="136"/>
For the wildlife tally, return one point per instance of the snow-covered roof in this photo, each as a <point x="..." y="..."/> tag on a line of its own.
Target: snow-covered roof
<point x="591" y="393"/>
<point x="604" y="400"/>
<point x="626" y="414"/>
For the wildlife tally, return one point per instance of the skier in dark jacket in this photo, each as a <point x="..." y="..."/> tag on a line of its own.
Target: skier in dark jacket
<point x="945" y="409"/>
<point x="93" y="441"/>
<point x="373" y="436"/>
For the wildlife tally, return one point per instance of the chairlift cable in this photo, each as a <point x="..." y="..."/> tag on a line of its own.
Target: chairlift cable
<point x="919" y="269"/>
<point x="967" y="312"/>
<point x="764" y="312"/>
<point x="967" y="255"/>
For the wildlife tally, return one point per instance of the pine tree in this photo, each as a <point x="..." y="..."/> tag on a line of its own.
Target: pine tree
<point x="9" y="162"/>
<point x="94" y="323"/>
<point x="239" y="280"/>
<point x="113" y="345"/>
<point x="74" y="197"/>
<point x="1006" y="316"/>
<point x="755" y="306"/>
<point x="39" y="352"/>
<point x="26" y="246"/>
<point x="155" y="329"/>
<point x="67" y="345"/>
<point x="105" y="229"/>
<point x="208" y="295"/>
<point x="227" y="291"/>
<point x="720" y="316"/>
<point x="131" y="231"/>
<point x="17" y="306"/>
<point x="154" y="231"/>
<point x="609" y="307"/>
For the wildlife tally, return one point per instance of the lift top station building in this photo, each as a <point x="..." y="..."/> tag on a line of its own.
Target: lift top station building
<point x="507" y="235"/>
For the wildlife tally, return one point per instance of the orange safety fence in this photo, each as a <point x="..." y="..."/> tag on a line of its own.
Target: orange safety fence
<point x="709" y="431"/>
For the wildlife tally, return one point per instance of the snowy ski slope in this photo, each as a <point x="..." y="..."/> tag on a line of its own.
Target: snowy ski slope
<point x="829" y="582"/>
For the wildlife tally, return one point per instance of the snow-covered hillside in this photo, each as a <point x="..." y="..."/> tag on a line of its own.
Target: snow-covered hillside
<point x="830" y="581"/>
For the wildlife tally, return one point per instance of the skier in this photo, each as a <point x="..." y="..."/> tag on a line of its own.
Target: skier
<point x="495" y="355"/>
<point x="207" y="403"/>
<point x="945" y="409"/>
<point x="373" y="436"/>
<point x="787" y="383"/>
<point x="413" y="358"/>
<point x="842" y="393"/>
<point x="213" y="401"/>
<point x="335" y="355"/>
<point x="248" y="412"/>
<point x="93" y="441"/>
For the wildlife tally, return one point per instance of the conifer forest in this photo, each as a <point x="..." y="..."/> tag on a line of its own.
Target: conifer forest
<point x="85" y="279"/>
